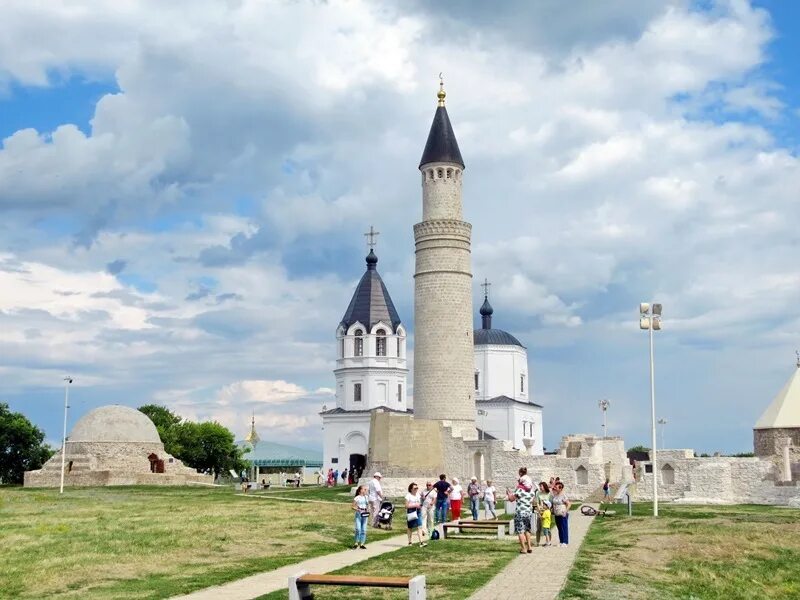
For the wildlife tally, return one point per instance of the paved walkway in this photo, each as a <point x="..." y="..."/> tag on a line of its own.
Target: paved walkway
<point x="556" y="561"/>
<point x="264" y="583"/>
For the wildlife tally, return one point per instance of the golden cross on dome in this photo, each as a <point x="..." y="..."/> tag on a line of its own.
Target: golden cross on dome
<point x="372" y="234"/>
<point x="486" y="285"/>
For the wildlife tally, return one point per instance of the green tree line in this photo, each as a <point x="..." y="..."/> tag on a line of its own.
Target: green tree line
<point x="22" y="446"/>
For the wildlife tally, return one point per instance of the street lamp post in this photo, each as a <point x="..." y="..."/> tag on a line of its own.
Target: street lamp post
<point x="604" y="404"/>
<point x="663" y="423"/>
<point x="483" y="414"/>
<point x="67" y="381"/>
<point x="650" y="319"/>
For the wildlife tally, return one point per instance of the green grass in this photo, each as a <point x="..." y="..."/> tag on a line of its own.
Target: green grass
<point x="697" y="552"/>
<point x="154" y="542"/>
<point x="453" y="569"/>
<point x="339" y="493"/>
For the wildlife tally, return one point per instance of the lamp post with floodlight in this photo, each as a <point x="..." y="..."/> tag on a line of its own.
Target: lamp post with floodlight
<point x="482" y="413"/>
<point x="604" y="404"/>
<point x="650" y="319"/>
<point x="67" y="381"/>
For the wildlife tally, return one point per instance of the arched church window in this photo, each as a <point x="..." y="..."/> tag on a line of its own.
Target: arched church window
<point x="359" y="343"/>
<point x="449" y="173"/>
<point x="522" y="384"/>
<point x="477" y="380"/>
<point x="356" y="392"/>
<point x="380" y="347"/>
<point x="399" y="392"/>
<point x="440" y="173"/>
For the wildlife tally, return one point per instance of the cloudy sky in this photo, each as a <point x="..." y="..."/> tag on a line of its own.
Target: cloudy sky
<point x="184" y="187"/>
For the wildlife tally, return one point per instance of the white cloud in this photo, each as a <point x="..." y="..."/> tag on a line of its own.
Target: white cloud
<point x="594" y="180"/>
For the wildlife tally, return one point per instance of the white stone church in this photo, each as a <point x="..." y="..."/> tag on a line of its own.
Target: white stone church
<point x="371" y="375"/>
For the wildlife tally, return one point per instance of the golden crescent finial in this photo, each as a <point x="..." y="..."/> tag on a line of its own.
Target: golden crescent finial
<point x="441" y="95"/>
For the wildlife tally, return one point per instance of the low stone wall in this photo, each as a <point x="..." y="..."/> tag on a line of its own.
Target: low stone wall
<point x="715" y="480"/>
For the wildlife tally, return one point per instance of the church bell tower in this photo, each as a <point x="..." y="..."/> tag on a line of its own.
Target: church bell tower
<point x="443" y="338"/>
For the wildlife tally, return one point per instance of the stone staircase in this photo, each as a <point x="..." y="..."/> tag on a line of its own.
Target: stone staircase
<point x="81" y="463"/>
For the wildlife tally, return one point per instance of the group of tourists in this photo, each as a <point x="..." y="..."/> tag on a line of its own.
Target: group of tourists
<point x="537" y="508"/>
<point x="333" y="476"/>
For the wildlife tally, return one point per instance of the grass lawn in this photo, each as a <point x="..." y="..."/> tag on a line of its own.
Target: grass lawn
<point x="697" y="552"/>
<point x="154" y="542"/>
<point x="453" y="568"/>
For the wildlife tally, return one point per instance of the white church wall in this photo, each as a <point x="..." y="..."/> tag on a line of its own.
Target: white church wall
<point x="343" y="435"/>
<point x="499" y="370"/>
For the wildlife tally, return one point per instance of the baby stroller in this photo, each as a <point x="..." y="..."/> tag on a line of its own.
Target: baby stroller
<point x="385" y="514"/>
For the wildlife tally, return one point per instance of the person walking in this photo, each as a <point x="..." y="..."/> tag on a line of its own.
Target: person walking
<point x="428" y="509"/>
<point x="542" y="496"/>
<point x="489" y="499"/>
<point x="442" y="494"/>
<point x="522" y="515"/>
<point x="456" y="498"/>
<point x="607" y="491"/>
<point x="375" y="497"/>
<point x="561" y="506"/>
<point x="344" y="476"/>
<point x="361" y="508"/>
<point x="336" y="477"/>
<point x="474" y="492"/>
<point x="413" y="504"/>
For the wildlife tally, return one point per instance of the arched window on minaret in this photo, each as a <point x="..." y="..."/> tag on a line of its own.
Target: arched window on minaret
<point x="380" y="342"/>
<point x="359" y="343"/>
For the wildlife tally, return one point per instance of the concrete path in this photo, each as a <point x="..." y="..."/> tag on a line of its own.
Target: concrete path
<point x="556" y="561"/>
<point x="264" y="583"/>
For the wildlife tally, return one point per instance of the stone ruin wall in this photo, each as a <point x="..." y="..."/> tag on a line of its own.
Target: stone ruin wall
<point x="715" y="480"/>
<point x="396" y="455"/>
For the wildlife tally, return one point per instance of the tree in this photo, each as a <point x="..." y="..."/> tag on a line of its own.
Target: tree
<point x="206" y="446"/>
<point x="164" y="420"/>
<point x="21" y="446"/>
<point x="639" y="449"/>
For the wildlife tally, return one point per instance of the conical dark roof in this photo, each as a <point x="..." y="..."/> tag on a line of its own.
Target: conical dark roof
<point x="441" y="145"/>
<point x="371" y="302"/>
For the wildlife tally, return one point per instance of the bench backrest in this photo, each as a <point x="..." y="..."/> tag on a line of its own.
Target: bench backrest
<point x="355" y="580"/>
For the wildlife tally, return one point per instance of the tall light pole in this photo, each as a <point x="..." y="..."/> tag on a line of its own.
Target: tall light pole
<point x="604" y="404"/>
<point x="662" y="422"/>
<point x="650" y="319"/>
<point x="483" y="414"/>
<point x="67" y="381"/>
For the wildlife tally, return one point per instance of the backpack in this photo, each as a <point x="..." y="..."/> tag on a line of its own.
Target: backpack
<point x="435" y="534"/>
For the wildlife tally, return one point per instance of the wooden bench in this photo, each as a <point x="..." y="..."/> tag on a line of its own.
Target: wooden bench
<point x="499" y="527"/>
<point x="504" y="522"/>
<point x="300" y="584"/>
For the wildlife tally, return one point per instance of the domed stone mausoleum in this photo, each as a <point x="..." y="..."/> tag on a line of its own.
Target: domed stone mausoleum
<point x="114" y="445"/>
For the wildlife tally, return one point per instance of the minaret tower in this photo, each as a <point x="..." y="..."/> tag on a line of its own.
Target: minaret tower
<point x="443" y="347"/>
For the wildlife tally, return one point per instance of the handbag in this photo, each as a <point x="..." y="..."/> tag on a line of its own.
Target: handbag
<point x="411" y="515"/>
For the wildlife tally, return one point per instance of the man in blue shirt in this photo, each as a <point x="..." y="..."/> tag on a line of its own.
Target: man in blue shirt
<point x="443" y="490"/>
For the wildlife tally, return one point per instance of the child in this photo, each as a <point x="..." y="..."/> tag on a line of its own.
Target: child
<point x="547" y="521"/>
